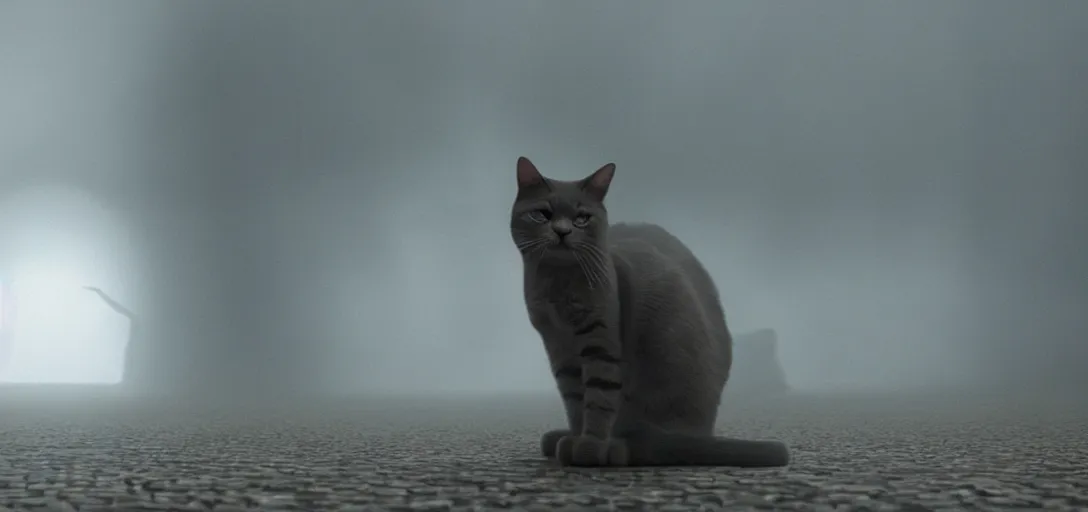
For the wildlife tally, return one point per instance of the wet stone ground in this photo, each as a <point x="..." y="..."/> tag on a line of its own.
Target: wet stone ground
<point x="850" y="453"/>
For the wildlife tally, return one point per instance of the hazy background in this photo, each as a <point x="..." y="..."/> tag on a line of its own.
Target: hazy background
<point x="313" y="196"/>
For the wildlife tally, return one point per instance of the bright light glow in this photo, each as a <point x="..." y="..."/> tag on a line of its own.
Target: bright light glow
<point x="54" y="241"/>
<point x="63" y="333"/>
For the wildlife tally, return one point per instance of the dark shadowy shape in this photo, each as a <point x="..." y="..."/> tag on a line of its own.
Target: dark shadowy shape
<point x="118" y="308"/>
<point x="756" y="368"/>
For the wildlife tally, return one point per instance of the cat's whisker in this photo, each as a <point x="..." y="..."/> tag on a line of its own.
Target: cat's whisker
<point x="541" y="248"/>
<point x="591" y="268"/>
<point x="536" y="255"/>
<point x="538" y="247"/>
<point x="527" y="245"/>
<point x="600" y="272"/>
<point x="583" y="265"/>
<point x="582" y="268"/>
<point x="595" y="251"/>
<point x="596" y="260"/>
<point x="520" y="238"/>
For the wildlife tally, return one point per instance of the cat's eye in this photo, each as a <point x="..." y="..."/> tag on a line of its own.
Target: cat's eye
<point x="540" y="216"/>
<point x="582" y="220"/>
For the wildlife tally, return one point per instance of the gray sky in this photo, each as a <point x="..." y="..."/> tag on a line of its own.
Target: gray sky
<point x="315" y="195"/>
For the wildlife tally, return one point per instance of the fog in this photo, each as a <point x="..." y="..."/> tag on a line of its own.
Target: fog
<point x="314" y="197"/>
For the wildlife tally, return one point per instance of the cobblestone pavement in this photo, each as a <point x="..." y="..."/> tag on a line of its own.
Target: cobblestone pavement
<point x="863" y="453"/>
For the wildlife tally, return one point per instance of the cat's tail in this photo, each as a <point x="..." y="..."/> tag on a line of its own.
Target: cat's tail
<point x="659" y="448"/>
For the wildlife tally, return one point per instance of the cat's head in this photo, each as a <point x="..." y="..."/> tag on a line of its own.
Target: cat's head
<point x="560" y="220"/>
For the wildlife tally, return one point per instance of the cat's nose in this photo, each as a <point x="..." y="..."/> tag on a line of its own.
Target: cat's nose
<point x="562" y="227"/>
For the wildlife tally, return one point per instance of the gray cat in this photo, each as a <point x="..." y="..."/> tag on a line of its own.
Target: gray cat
<point x="633" y="329"/>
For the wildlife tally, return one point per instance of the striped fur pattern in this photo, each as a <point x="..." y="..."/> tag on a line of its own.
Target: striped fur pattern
<point x="633" y="329"/>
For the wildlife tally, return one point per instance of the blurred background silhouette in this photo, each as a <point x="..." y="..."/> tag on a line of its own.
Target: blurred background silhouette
<point x="301" y="197"/>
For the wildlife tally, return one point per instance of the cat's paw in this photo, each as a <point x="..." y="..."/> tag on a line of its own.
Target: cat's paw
<point x="550" y="440"/>
<point x="586" y="451"/>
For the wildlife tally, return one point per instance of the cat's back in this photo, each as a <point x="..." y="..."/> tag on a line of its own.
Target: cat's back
<point x="645" y="240"/>
<point x="649" y="256"/>
<point x="673" y="324"/>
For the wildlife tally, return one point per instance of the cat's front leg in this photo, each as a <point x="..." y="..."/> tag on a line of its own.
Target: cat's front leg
<point x="602" y="395"/>
<point x="549" y="442"/>
<point x="568" y="378"/>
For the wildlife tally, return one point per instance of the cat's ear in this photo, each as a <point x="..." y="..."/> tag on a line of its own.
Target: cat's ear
<point x="597" y="183"/>
<point x="528" y="176"/>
